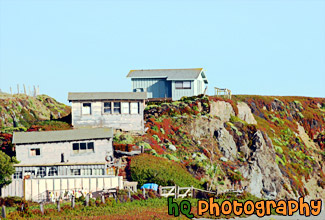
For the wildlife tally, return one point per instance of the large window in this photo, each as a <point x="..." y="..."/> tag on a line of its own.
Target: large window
<point x="135" y="107"/>
<point x="53" y="171"/>
<point x="121" y="108"/>
<point x="18" y="175"/>
<point x="125" y="108"/>
<point x="86" y="172"/>
<point x="35" y="152"/>
<point x="75" y="172"/>
<point x="117" y="108"/>
<point x="107" y="107"/>
<point x="41" y="172"/>
<point x="98" y="172"/>
<point x="183" y="84"/>
<point x="79" y="148"/>
<point x="86" y="108"/>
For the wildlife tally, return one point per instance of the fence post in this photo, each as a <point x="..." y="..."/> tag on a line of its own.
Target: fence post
<point x="41" y="208"/>
<point x="72" y="202"/>
<point x="103" y="199"/>
<point x="160" y="190"/>
<point x="129" y="194"/>
<point x="58" y="205"/>
<point x="176" y="192"/>
<point x="87" y="200"/>
<point x="144" y="192"/>
<point x="192" y="191"/>
<point x="3" y="213"/>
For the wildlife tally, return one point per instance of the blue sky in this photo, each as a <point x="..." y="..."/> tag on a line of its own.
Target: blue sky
<point x="251" y="47"/>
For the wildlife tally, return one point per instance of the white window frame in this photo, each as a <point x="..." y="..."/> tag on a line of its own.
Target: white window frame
<point x="110" y="107"/>
<point x="32" y="149"/>
<point x="89" y="148"/>
<point x="83" y="108"/>
<point x="125" y="108"/>
<point x="116" y="108"/>
<point x="133" y="106"/>
<point x="180" y="84"/>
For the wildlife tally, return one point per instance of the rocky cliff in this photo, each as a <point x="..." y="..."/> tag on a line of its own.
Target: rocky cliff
<point x="273" y="146"/>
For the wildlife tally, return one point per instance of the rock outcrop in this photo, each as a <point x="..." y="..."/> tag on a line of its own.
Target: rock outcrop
<point x="245" y="113"/>
<point x="222" y="109"/>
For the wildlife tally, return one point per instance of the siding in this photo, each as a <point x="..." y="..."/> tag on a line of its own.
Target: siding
<point x="155" y="88"/>
<point x="200" y="85"/>
<point x="127" y="122"/>
<point x="179" y="93"/>
<point x="51" y="152"/>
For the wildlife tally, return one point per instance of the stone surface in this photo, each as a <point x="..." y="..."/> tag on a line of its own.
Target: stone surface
<point x="265" y="179"/>
<point x="226" y="143"/>
<point x="172" y="147"/>
<point x="245" y="113"/>
<point x="221" y="109"/>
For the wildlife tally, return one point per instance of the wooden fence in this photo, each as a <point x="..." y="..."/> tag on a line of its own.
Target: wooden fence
<point x="182" y="192"/>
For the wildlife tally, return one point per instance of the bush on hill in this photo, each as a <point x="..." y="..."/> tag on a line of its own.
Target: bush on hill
<point x="147" y="168"/>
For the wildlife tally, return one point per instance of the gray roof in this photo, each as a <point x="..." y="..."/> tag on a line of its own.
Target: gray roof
<point x="80" y="96"/>
<point x="170" y="74"/>
<point x="63" y="135"/>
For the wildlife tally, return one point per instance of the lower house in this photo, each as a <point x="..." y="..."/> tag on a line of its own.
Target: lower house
<point x="57" y="161"/>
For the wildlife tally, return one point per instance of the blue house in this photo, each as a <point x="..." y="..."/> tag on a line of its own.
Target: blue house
<point x="169" y="83"/>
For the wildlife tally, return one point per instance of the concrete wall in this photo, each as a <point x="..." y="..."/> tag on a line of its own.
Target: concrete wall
<point x="38" y="189"/>
<point x="97" y="118"/>
<point x="51" y="152"/>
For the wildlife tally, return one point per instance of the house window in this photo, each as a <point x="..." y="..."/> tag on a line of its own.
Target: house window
<point x="186" y="84"/>
<point x="107" y="107"/>
<point x="35" y="152"/>
<point x="98" y="172"/>
<point x="41" y="172"/>
<point x="135" y="108"/>
<point x="79" y="148"/>
<point x="183" y="84"/>
<point x="53" y="171"/>
<point x="125" y="108"/>
<point x="75" y="172"/>
<point x="86" y="108"/>
<point x="18" y="175"/>
<point x="29" y="173"/>
<point x="86" y="172"/>
<point x="117" y="108"/>
<point x="90" y="147"/>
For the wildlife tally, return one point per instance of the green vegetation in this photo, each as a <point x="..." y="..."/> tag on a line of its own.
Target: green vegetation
<point x="146" y="168"/>
<point x="6" y="168"/>
<point x="22" y="111"/>
<point x="152" y="208"/>
<point x="123" y="138"/>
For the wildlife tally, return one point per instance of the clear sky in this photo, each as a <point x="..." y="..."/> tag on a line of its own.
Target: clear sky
<point x="251" y="47"/>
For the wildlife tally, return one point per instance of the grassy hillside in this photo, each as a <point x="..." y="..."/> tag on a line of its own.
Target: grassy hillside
<point x="19" y="112"/>
<point x="272" y="145"/>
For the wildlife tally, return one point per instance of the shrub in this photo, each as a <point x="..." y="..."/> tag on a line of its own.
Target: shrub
<point x="146" y="168"/>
